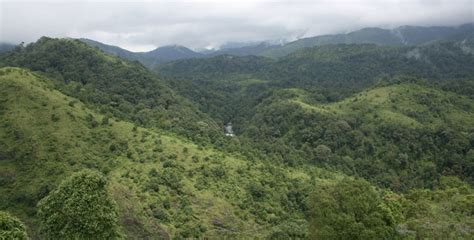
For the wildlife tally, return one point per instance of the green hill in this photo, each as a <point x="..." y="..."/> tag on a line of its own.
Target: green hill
<point x="415" y="132"/>
<point x="150" y="59"/>
<point x="407" y="104"/>
<point x="347" y="67"/>
<point x="401" y="36"/>
<point x="330" y="73"/>
<point x="337" y="141"/>
<point x="166" y="186"/>
<point x="400" y="137"/>
<point x="112" y="85"/>
<point x="163" y="184"/>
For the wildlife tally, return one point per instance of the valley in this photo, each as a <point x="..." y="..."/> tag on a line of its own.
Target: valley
<point x="345" y="140"/>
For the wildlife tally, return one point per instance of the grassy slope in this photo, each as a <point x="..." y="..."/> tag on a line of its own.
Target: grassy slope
<point x="407" y="104"/>
<point x="109" y="84"/>
<point x="46" y="135"/>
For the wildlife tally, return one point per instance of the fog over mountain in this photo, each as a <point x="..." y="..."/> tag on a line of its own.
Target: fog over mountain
<point x="199" y="24"/>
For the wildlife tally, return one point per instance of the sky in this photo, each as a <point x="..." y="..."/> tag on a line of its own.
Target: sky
<point x="199" y="24"/>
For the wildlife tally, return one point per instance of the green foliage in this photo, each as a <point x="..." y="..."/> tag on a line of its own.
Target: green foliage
<point x="443" y="213"/>
<point x="123" y="89"/>
<point x="417" y="132"/>
<point x="80" y="208"/>
<point x="322" y="153"/>
<point x="309" y="119"/>
<point x="11" y="227"/>
<point x="349" y="209"/>
<point x="360" y="101"/>
<point x="202" y="192"/>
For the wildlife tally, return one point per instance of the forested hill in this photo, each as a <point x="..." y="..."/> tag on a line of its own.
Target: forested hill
<point x="150" y="59"/>
<point x="340" y="141"/>
<point x="112" y="85"/>
<point x="402" y="136"/>
<point x="352" y="66"/>
<point x="334" y="71"/>
<point x="279" y="106"/>
<point x="401" y="36"/>
<point x="63" y="163"/>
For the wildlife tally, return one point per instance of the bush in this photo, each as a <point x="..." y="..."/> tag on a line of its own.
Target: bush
<point x="79" y="208"/>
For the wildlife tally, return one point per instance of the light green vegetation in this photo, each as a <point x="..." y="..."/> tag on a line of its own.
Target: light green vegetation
<point x="407" y="104"/>
<point x="11" y="227"/>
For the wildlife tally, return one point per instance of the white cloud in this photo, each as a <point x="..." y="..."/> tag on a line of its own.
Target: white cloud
<point x="202" y="23"/>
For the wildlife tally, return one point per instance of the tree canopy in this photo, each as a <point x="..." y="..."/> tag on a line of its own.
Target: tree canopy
<point x="79" y="208"/>
<point x="349" y="209"/>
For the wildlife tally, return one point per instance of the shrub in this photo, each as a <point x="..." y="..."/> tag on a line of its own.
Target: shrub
<point x="79" y="208"/>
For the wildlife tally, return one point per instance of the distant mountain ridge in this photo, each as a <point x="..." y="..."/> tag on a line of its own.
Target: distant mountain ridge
<point x="158" y="56"/>
<point x="400" y="36"/>
<point x="5" y="47"/>
<point x="404" y="35"/>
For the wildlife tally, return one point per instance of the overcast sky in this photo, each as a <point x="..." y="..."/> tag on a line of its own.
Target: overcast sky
<point x="141" y="26"/>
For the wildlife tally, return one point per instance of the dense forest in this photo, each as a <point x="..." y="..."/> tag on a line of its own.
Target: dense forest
<point x="334" y="141"/>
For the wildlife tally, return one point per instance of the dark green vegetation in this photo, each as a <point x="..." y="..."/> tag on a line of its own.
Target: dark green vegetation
<point x="332" y="71"/>
<point x="405" y="35"/>
<point x="336" y="142"/>
<point x="350" y="209"/>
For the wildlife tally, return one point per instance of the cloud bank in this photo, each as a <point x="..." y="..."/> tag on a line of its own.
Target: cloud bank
<point x="141" y="26"/>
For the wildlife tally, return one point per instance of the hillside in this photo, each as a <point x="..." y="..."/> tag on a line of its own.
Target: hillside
<point x="417" y="132"/>
<point x="407" y="104"/>
<point x="166" y="186"/>
<point x="236" y="120"/>
<point x="113" y="85"/>
<point x="110" y="49"/>
<point x="150" y="59"/>
<point x="341" y="67"/>
<point x="261" y="105"/>
<point x="400" y="36"/>
<point x="169" y="53"/>
<point x="329" y="72"/>
<point x="404" y="35"/>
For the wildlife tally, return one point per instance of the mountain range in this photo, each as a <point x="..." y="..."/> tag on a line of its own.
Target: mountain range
<point x="401" y="36"/>
<point x="365" y="135"/>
